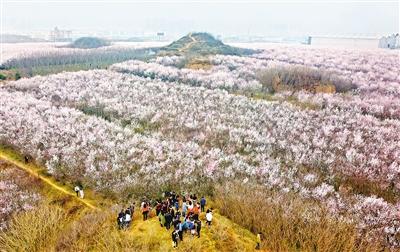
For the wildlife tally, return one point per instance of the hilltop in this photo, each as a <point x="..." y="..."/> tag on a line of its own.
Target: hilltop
<point x="201" y="43"/>
<point x="89" y="42"/>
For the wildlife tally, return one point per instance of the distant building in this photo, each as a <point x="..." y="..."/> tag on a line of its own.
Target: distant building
<point x="398" y="41"/>
<point x="160" y="35"/>
<point x="308" y="42"/>
<point x="344" y="42"/>
<point x="58" y="35"/>
<point x="391" y="42"/>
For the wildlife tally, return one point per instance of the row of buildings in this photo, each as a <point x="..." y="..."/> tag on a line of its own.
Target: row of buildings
<point x="391" y="42"/>
<point x="60" y="35"/>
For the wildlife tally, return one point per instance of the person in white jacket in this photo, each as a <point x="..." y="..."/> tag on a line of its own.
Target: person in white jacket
<point x="77" y="189"/>
<point x="209" y="217"/>
<point x="81" y="194"/>
<point x="128" y="218"/>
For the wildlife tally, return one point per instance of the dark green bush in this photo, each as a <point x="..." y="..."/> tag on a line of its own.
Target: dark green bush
<point x="89" y="42"/>
<point x="17" y="76"/>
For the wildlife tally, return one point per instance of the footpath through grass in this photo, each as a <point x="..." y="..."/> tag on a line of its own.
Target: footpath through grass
<point x="96" y="230"/>
<point x="222" y="235"/>
<point x="11" y="157"/>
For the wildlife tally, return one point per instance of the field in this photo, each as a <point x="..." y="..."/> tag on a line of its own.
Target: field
<point x="299" y="143"/>
<point x="30" y="59"/>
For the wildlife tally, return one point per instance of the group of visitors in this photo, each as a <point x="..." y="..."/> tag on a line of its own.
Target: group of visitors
<point x="125" y="217"/>
<point x="181" y="213"/>
<point x="177" y="212"/>
<point x="145" y="207"/>
<point x="182" y="218"/>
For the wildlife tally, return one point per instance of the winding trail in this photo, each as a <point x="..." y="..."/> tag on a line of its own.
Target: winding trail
<point x="188" y="45"/>
<point x="224" y="235"/>
<point x="35" y="172"/>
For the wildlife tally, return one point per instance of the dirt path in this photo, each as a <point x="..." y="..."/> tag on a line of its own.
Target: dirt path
<point x="187" y="46"/>
<point x="223" y="235"/>
<point x="35" y="172"/>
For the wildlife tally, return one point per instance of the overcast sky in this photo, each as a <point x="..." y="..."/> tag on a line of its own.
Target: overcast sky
<point x="222" y="18"/>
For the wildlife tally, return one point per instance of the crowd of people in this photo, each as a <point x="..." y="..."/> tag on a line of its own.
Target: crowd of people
<point x="179" y="213"/>
<point x="182" y="215"/>
<point x="125" y="217"/>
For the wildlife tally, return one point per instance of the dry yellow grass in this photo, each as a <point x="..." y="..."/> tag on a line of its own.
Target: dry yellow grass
<point x="65" y="223"/>
<point x="199" y="64"/>
<point x="8" y="155"/>
<point x="325" y="88"/>
<point x="34" y="230"/>
<point x="97" y="231"/>
<point x="288" y="223"/>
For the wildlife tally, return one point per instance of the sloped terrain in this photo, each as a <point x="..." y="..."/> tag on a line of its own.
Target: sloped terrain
<point x="69" y="223"/>
<point x="311" y="171"/>
<point x="202" y="44"/>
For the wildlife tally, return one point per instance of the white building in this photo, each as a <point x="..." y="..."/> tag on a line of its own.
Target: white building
<point x="58" y="35"/>
<point x="391" y="42"/>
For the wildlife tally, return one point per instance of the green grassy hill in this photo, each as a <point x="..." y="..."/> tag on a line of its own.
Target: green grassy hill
<point x="202" y="44"/>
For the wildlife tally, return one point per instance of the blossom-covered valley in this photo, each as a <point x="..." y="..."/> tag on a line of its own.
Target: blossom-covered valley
<point x="18" y="193"/>
<point x="160" y="124"/>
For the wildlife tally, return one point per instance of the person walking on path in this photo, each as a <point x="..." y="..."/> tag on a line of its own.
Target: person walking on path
<point x="203" y="203"/>
<point x="196" y="212"/>
<point x="184" y="208"/>
<point x="190" y="225"/>
<point x="190" y="206"/>
<point x="81" y="194"/>
<point x="132" y="208"/>
<point x="120" y="219"/>
<point x="194" y="199"/>
<point x="198" y="227"/>
<point x="258" y="246"/>
<point x="209" y="217"/>
<point x="176" y="205"/>
<point x="175" y="237"/>
<point x="180" y="230"/>
<point x="168" y="220"/>
<point x="161" y="218"/>
<point x="127" y="219"/>
<point x="158" y="208"/>
<point x="77" y="189"/>
<point x="145" y="211"/>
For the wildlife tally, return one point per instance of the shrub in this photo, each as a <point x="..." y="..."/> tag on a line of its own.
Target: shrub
<point x="17" y="76"/>
<point x="33" y="230"/>
<point x="197" y="64"/>
<point x="88" y="232"/>
<point x="97" y="110"/>
<point x="2" y="76"/>
<point x="297" y="78"/>
<point x="287" y="222"/>
<point x="73" y="60"/>
<point x="89" y="42"/>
